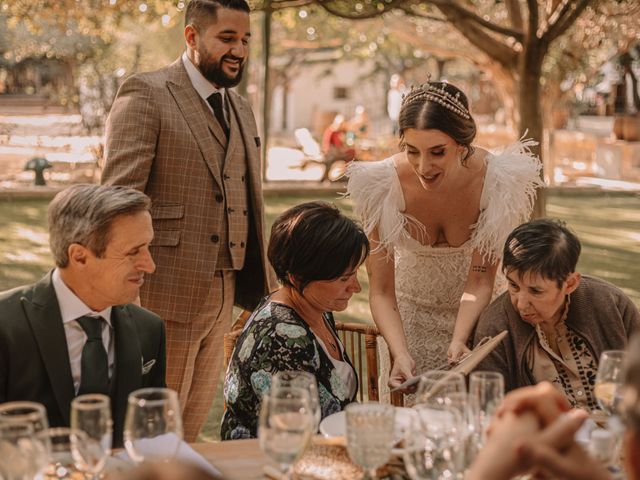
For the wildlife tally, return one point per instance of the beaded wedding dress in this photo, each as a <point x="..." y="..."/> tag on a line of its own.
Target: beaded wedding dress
<point x="430" y="280"/>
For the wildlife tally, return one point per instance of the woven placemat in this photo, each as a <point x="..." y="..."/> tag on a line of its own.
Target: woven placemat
<point x="327" y="459"/>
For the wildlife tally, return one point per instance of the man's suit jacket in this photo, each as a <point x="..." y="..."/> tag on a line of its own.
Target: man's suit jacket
<point x="34" y="360"/>
<point x="162" y="138"/>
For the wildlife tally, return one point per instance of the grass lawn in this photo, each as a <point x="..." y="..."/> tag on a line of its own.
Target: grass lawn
<point x="608" y="225"/>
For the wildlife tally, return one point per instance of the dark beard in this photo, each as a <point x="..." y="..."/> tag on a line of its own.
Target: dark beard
<point x="213" y="72"/>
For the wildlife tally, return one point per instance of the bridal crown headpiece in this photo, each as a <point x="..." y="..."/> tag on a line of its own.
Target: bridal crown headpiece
<point x="433" y="93"/>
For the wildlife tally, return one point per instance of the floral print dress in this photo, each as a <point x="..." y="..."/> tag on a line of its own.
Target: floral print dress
<point x="276" y="339"/>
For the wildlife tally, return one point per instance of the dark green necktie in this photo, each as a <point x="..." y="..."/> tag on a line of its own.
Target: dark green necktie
<point x="215" y="100"/>
<point x="94" y="376"/>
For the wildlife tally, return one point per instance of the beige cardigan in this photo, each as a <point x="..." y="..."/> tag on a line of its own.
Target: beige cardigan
<point x="599" y="312"/>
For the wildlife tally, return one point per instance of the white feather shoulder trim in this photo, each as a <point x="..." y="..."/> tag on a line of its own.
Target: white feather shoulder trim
<point x="508" y="195"/>
<point x="378" y="202"/>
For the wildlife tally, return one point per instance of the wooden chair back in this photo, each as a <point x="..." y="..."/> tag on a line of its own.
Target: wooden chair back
<point x="361" y="342"/>
<point x="231" y="337"/>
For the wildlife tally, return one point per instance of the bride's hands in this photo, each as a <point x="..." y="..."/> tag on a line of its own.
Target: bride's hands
<point x="456" y="350"/>
<point x="403" y="369"/>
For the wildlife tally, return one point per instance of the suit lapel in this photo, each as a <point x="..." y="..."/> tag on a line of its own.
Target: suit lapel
<point x="196" y="116"/>
<point x="43" y="314"/>
<point x="128" y="361"/>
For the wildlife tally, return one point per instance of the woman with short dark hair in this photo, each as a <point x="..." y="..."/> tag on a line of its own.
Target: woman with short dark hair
<point x="437" y="214"/>
<point x="315" y="251"/>
<point x="559" y="322"/>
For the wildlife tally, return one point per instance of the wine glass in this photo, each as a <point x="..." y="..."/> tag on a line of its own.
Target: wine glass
<point x="466" y="411"/>
<point x="285" y="426"/>
<point x="439" y="383"/>
<point x="92" y="432"/>
<point x="25" y="412"/>
<point x="22" y="455"/>
<point x="60" y="463"/>
<point x="486" y="389"/>
<point x="433" y="446"/>
<point x="610" y="380"/>
<point x="153" y="425"/>
<point x="370" y="434"/>
<point x="304" y="380"/>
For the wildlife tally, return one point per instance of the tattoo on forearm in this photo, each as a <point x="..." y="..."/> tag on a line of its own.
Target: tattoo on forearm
<point x="479" y="268"/>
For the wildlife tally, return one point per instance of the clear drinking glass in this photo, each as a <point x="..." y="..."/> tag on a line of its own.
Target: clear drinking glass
<point x="486" y="389"/>
<point x="153" y="425"/>
<point x="439" y="383"/>
<point x="25" y="412"/>
<point x="370" y="435"/>
<point x="22" y="455"/>
<point x="92" y="432"/>
<point x="60" y="463"/>
<point x="433" y="446"/>
<point x="304" y="380"/>
<point x="468" y="434"/>
<point x="610" y="380"/>
<point x="285" y="426"/>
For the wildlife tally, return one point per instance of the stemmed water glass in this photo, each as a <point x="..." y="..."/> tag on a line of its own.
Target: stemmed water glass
<point x="25" y="412"/>
<point x="60" y="463"/>
<point x="153" y="414"/>
<point x="303" y="380"/>
<point x="285" y="426"/>
<point x="433" y="448"/>
<point x="486" y="390"/>
<point x="370" y="435"/>
<point x="22" y="454"/>
<point x="91" y="432"/>
<point x="610" y="380"/>
<point x="439" y="383"/>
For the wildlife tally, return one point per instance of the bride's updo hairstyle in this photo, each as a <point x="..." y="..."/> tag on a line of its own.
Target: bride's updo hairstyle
<point x="440" y="106"/>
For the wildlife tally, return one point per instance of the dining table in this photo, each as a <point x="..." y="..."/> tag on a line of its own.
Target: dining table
<point x="324" y="459"/>
<point x="236" y="459"/>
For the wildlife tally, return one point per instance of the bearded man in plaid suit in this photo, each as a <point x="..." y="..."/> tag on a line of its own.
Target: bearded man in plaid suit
<point x="190" y="144"/>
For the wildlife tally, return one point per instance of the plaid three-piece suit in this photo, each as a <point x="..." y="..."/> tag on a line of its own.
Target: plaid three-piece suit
<point x="207" y="213"/>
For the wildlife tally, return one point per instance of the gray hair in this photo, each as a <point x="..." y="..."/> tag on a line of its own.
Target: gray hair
<point x="83" y="214"/>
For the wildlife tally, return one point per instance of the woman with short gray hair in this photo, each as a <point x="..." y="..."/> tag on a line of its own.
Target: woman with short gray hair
<point x="559" y="322"/>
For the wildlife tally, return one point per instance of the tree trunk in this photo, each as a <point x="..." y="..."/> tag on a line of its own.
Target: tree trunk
<point x="529" y="100"/>
<point x="507" y="91"/>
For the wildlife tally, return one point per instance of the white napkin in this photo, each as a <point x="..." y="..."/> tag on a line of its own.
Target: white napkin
<point x="165" y="446"/>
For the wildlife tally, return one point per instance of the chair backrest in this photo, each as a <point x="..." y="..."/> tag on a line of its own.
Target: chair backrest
<point x="231" y="337"/>
<point x="361" y="342"/>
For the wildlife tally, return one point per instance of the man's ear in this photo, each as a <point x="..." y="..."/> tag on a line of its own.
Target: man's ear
<point x="77" y="254"/>
<point x="191" y="36"/>
<point x="573" y="282"/>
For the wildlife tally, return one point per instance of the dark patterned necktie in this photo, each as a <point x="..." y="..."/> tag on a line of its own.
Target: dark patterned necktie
<point x="215" y="100"/>
<point x="94" y="373"/>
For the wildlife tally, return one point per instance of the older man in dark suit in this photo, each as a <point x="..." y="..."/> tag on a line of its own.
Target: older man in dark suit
<point x="76" y="330"/>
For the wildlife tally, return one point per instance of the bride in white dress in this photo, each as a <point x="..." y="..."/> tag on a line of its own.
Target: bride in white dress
<point x="437" y="215"/>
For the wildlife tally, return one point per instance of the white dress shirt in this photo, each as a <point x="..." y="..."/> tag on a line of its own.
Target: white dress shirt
<point x="203" y="86"/>
<point x="72" y="308"/>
